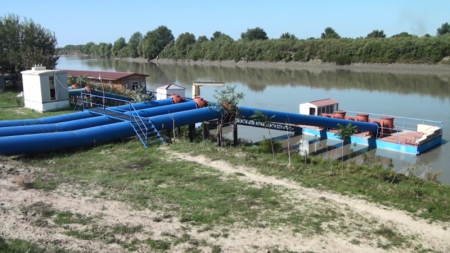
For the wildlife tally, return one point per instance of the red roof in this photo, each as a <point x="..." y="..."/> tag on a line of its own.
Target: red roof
<point x="105" y="75"/>
<point x="324" y="102"/>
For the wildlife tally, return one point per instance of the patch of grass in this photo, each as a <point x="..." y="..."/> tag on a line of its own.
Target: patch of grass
<point x="395" y="240"/>
<point x="70" y="218"/>
<point x="422" y="198"/>
<point x="21" y="246"/>
<point x="122" y="229"/>
<point x="159" y="245"/>
<point x="40" y="208"/>
<point x="11" y="108"/>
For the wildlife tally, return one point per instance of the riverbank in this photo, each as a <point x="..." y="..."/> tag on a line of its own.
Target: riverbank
<point x="433" y="69"/>
<point x="197" y="197"/>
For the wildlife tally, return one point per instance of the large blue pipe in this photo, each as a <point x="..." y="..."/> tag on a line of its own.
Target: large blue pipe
<point x="77" y="92"/>
<point x="29" y="144"/>
<point x="309" y="120"/>
<point x="57" y="127"/>
<point x="81" y="115"/>
<point x="92" y="122"/>
<point x="139" y="106"/>
<point x="48" y="120"/>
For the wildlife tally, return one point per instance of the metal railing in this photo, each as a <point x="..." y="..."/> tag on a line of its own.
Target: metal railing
<point x="133" y="116"/>
<point x="403" y="125"/>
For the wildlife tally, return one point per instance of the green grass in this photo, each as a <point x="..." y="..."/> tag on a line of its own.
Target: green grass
<point x="11" y="108"/>
<point x="21" y="246"/>
<point x="146" y="178"/>
<point x="425" y="199"/>
<point x="63" y="218"/>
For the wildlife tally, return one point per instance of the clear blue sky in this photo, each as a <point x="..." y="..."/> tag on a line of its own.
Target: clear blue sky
<point x="82" y="21"/>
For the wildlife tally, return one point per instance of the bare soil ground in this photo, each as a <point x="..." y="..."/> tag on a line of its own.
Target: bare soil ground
<point x="360" y="226"/>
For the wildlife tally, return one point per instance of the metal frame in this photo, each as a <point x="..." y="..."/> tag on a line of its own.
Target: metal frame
<point x="270" y="125"/>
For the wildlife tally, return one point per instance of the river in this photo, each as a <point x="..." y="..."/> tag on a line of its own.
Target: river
<point x="407" y="95"/>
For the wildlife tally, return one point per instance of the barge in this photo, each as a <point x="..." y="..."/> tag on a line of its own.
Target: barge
<point x="401" y="134"/>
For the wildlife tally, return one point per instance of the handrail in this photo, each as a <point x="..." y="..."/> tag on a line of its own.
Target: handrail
<point x="133" y="111"/>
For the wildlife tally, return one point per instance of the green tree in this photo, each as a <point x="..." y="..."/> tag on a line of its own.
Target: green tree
<point x="202" y="39"/>
<point x="216" y="35"/>
<point x="133" y="44"/>
<point x="24" y="44"/>
<point x="344" y="134"/>
<point x="118" y="45"/>
<point x="288" y="36"/>
<point x="227" y="106"/>
<point x="330" y="33"/>
<point x="183" y="41"/>
<point x="254" y="34"/>
<point x="155" y="41"/>
<point x="108" y="50"/>
<point x="444" y="29"/>
<point x="402" y="35"/>
<point x="376" y="34"/>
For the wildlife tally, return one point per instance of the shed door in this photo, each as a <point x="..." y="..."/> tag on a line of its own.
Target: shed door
<point x="312" y="111"/>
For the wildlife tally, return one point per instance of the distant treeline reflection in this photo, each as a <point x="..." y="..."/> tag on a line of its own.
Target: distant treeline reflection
<point x="257" y="79"/>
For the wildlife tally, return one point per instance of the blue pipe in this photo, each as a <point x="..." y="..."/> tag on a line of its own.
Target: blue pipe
<point x="58" y="127"/>
<point x="77" y="92"/>
<point x="92" y="122"/>
<point x="29" y="144"/>
<point x="81" y="115"/>
<point x="48" y="120"/>
<point x="138" y="106"/>
<point x="300" y="119"/>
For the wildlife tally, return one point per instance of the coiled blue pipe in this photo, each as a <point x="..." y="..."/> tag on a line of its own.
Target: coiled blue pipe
<point x="300" y="119"/>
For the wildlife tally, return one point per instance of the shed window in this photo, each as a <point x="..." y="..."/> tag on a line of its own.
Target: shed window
<point x="51" y="84"/>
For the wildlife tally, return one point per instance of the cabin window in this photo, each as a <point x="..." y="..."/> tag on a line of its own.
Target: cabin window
<point x="135" y="85"/>
<point x="331" y="108"/>
<point x="51" y="84"/>
<point x="336" y="107"/>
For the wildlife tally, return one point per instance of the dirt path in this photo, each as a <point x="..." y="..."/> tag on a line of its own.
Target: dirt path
<point x="433" y="236"/>
<point x="19" y="220"/>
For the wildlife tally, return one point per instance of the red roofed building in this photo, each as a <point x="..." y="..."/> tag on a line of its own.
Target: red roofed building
<point x="127" y="80"/>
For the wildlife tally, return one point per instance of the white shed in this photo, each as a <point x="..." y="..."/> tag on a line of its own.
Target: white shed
<point x="45" y="90"/>
<point x="318" y="107"/>
<point x="165" y="91"/>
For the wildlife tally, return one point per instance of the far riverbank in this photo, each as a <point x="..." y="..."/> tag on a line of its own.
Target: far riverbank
<point x="396" y="68"/>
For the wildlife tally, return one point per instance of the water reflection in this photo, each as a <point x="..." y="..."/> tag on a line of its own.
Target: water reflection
<point x="257" y="79"/>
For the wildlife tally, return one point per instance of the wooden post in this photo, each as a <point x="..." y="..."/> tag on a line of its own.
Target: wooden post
<point x="192" y="132"/>
<point x="219" y="133"/>
<point x="205" y="127"/>
<point x="235" y="134"/>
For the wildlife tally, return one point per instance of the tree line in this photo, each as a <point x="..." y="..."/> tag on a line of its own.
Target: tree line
<point x="254" y="45"/>
<point x="24" y="44"/>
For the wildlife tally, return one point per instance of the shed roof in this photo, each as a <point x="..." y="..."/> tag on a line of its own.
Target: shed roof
<point x="105" y="75"/>
<point x="171" y="86"/>
<point x="324" y="102"/>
